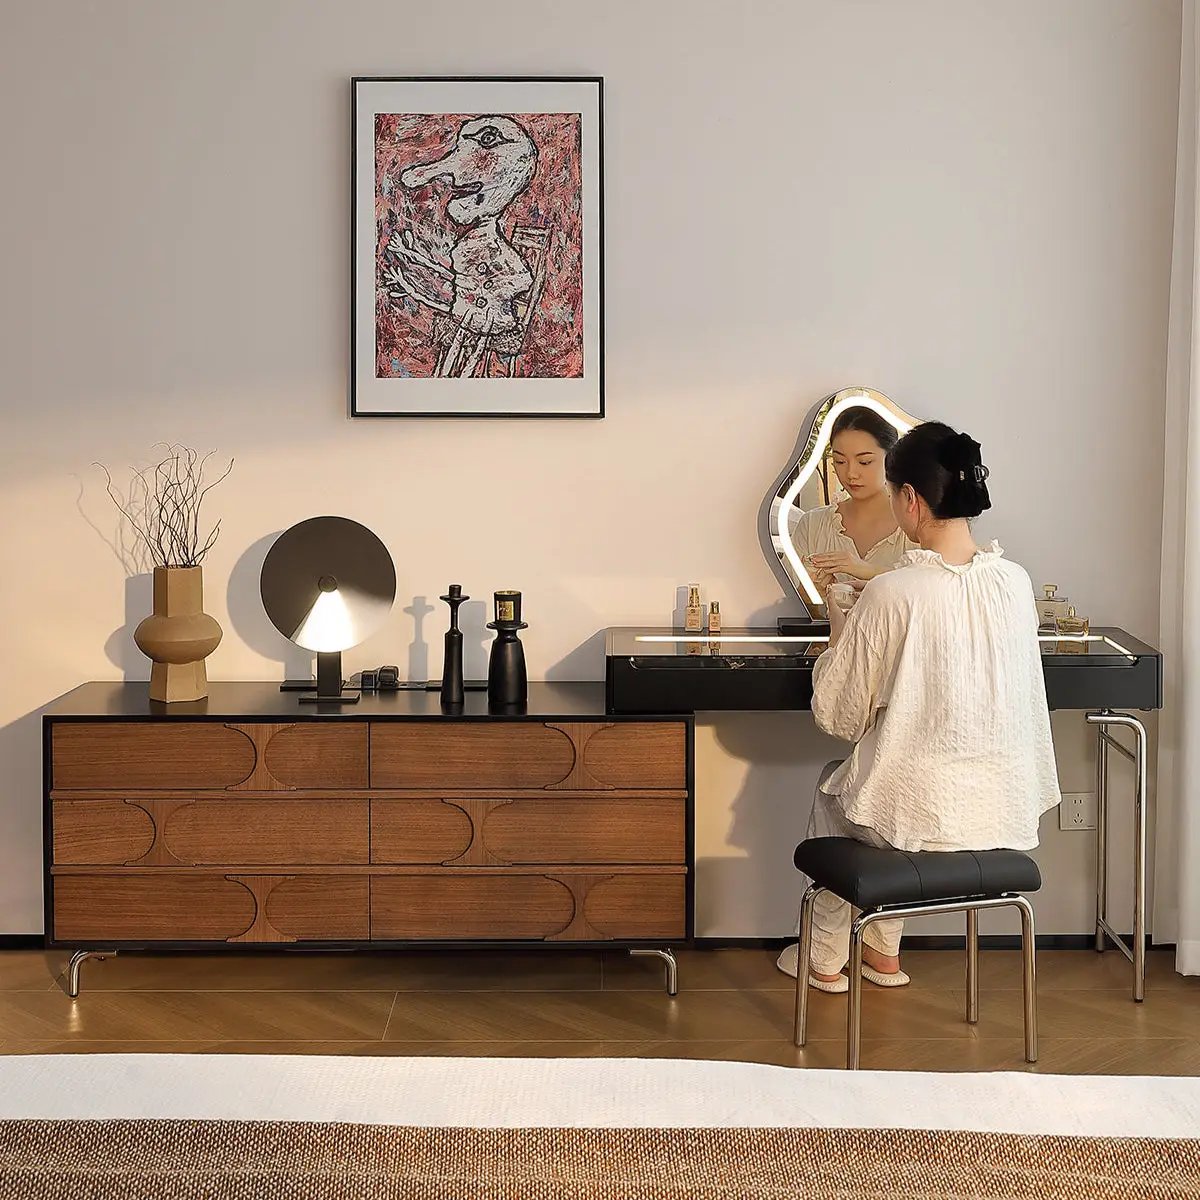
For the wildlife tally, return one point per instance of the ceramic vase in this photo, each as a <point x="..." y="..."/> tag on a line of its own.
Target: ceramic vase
<point x="178" y="636"/>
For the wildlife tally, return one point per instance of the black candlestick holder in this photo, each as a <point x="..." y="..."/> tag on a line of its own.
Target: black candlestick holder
<point x="452" y="662"/>
<point x="508" y="686"/>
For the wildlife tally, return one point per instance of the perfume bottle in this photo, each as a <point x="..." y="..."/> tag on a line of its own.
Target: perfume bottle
<point x="714" y="616"/>
<point x="1050" y="607"/>
<point x="692" y="622"/>
<point x="1071" y="625"/>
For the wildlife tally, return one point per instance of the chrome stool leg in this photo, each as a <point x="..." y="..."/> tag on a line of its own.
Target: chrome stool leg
<point x="937" y="908"/>
<point x="803" y="953"/>
<point x="1028" y="977"/>
<point x="76" y="961"/>
<point x="972" y="966"/>
<point x="854" y="1007"/>
<point x="668" y="956"/>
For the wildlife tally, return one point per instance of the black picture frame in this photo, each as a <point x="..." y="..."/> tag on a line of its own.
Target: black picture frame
<point x="593" y="264"/>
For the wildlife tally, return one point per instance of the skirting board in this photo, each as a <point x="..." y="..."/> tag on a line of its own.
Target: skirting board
<point x="987" y="941"/>
<point x="1000" y="941"/>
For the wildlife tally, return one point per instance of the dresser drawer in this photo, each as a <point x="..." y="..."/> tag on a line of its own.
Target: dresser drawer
<point x="207" y="754"/>
<point x="566" y="906"/>
<point x="499" y="755"/>
<point x="202" y="906"/>
<point x="514" y="755"/>
<point x="191" y="754"/>
<point x="242" y="831"/>
<point x="558" y="830"/>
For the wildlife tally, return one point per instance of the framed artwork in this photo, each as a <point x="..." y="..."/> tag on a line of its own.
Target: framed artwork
<point x="477" y="245"/>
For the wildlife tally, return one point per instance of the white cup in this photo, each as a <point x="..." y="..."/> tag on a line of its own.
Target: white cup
<point x="844" y="595"/>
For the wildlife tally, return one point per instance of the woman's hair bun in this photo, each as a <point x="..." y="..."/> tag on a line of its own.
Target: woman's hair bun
<point x="959" y="452"/>
<point x="944" y="467"/>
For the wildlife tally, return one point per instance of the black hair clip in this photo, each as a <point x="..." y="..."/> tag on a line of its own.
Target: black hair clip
<point x="979" y="473"/>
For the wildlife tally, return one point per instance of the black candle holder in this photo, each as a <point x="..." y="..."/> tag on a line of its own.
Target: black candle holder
<point x="508" y="686"/>
<point x="452" y="661"/>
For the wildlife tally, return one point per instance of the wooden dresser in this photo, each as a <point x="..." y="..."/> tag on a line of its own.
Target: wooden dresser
<point x="248" y="820"/>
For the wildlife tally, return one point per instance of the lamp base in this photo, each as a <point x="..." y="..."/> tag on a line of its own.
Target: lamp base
<point x="335" y="698"/>
<point x="329" y="682"/>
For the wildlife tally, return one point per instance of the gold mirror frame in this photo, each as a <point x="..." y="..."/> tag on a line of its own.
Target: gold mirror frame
<point x="814" y="443"/>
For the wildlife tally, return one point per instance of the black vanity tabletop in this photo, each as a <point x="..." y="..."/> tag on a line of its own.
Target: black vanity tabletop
<point x="264" y="700"/>
<point x="1107" y="646"/>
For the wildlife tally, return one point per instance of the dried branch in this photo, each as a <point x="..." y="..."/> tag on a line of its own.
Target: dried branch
<point x="163" y="503"/>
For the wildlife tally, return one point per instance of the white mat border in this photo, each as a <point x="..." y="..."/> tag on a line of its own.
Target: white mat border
<point x="596" y="1093"/>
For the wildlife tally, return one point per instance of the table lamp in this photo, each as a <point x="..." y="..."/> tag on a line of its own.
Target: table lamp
<point x="327" y="584"/>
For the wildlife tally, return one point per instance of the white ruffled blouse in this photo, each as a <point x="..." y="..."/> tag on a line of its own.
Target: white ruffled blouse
<point x="821" y="531"/>
<point x="937" y="680"/>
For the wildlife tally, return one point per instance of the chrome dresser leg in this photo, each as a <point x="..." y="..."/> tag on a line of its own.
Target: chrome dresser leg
<point x="76" y="961"/>
<point x="668" y="956"/>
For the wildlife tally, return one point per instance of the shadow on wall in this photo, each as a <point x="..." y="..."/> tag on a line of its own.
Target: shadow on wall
<point x="418" y="648"/>
<point x="586" y="661"/>
<point x="249" y="619"/>
<point x="21" y="820"/>
<point x="755" y="893"/>
<point x="120" y="647"/>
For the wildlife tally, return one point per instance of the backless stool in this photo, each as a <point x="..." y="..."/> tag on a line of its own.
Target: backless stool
<point x="887" y="884"/>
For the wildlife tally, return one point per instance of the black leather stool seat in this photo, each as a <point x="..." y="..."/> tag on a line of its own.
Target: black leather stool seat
<point x="869" y="877"/>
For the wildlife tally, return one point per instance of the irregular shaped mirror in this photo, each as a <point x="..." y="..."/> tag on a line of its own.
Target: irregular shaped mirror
<point x="830" y="518"/>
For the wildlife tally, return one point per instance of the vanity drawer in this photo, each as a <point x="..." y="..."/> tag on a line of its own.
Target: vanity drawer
<point x="560" y="830"/>
<point x="207" y="754"/>
<point x="513" y="755"/>
<point x="565" y="906"/>
<point x="162" y="831"/>
<point x="204" y="906"/>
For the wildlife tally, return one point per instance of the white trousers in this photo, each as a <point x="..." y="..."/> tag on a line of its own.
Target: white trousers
<point x="831" y="915"/>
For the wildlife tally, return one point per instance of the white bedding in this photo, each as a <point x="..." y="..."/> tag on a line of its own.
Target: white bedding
<point x="489" y="1092"/>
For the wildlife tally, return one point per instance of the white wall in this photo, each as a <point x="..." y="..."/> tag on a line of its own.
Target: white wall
<point x="962" y="203"/>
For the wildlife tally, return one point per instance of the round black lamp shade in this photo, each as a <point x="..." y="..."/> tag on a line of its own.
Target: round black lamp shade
<point x="328" y="583"/>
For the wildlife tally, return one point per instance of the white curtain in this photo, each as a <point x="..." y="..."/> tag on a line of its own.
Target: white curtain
<point x="1176" y="915"/>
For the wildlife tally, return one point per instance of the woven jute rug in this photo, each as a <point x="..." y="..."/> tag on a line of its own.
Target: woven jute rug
<point x="278" y="1160"/>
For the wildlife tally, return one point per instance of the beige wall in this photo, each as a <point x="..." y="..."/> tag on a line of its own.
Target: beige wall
<point x="964" y="204"/>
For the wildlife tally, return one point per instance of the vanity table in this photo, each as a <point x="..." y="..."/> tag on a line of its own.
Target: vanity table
<point x="664" y="670"/>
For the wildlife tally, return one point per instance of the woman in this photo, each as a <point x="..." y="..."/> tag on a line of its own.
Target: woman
<point x="857" y="538"/>
<point x="936" y="677"/>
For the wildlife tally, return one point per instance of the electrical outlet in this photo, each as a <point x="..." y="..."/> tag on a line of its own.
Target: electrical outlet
<point x="1077" y="811"/>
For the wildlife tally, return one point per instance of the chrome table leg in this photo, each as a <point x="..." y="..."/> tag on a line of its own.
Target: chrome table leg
<point x="76" y="961"/>
<point x="1138" y="756"/>
<point x="1101" y="837"/>
<point x="668" y="956"/>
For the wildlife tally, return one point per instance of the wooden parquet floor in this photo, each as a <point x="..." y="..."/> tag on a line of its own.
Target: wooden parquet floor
<point x="732" y="1005"/>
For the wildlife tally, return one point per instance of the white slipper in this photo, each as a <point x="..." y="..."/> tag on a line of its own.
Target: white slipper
<point x="834" y="986"/>
<point x="893" y="979"/>
<point x="788" y="962"/>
